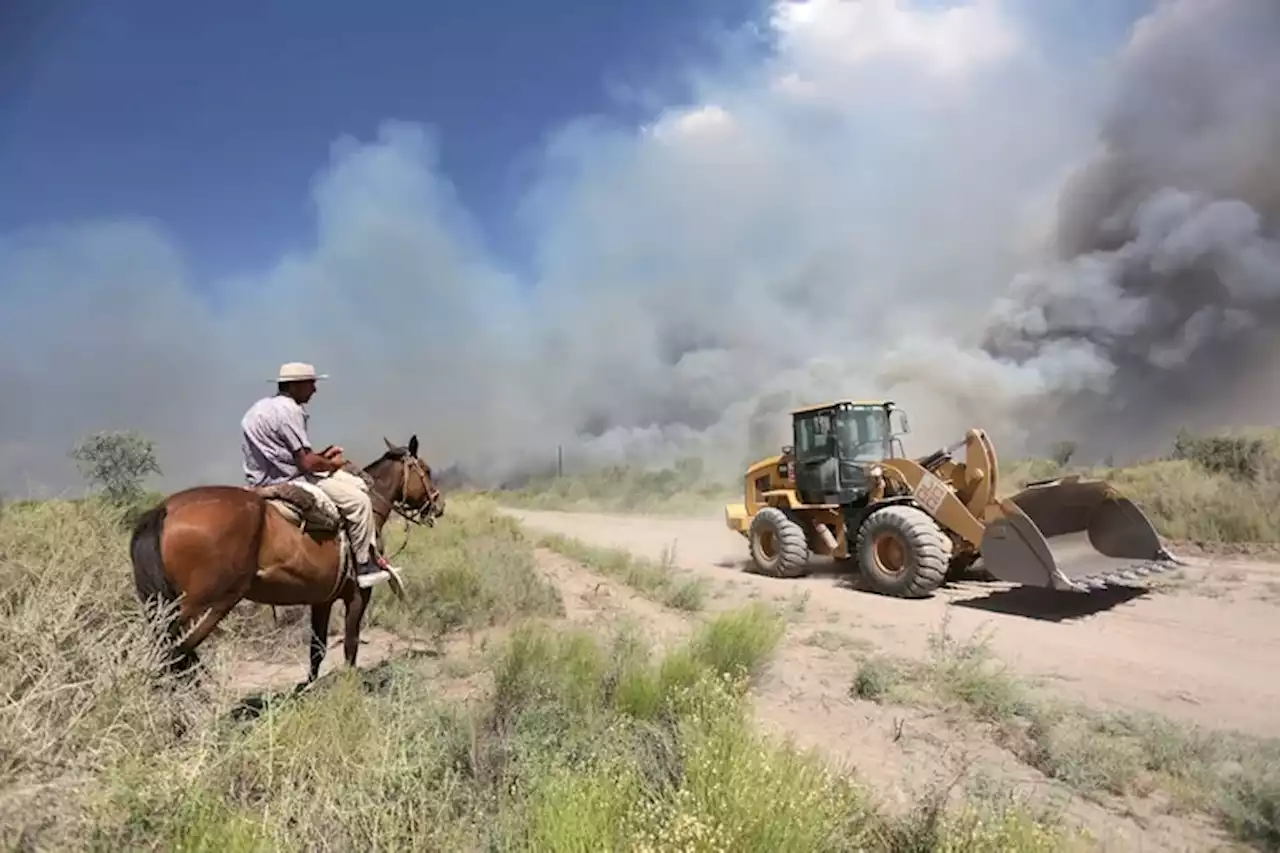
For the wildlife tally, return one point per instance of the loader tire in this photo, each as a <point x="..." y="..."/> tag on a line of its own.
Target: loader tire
<point x="779" y="546"/>
<point x="903" y="552"/>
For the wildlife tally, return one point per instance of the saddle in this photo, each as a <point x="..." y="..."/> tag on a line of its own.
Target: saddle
<point x="302" y="507"/>
<point x="313" y="512"/>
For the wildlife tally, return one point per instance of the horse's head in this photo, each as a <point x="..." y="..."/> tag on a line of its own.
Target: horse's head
<point x="412" y="492"/>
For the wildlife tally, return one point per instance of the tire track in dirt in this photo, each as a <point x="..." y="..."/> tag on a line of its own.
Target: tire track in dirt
<point x="805" y="694"/>
<point x="594" y="600"/>
<point x="1204" y="652"/>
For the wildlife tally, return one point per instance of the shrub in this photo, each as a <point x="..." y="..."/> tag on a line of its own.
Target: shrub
<point x="1061" y="452"/>
<point x="1238" y="457"/>
<point x="117" y="461"/>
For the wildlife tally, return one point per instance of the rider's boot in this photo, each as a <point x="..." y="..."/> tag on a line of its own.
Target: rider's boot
<point x="373" y="565"/>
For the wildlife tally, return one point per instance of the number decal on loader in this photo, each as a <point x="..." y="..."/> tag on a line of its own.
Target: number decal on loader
<point x="931" y="492"/>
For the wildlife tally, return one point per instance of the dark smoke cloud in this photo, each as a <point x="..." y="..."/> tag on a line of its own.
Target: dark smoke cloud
<point x="1167" y="286"/>
<point x="838" y="219"/>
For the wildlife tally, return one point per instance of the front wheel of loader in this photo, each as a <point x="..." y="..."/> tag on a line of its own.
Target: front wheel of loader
<point x="902" y="552"/>
<point x="779" y="546"/>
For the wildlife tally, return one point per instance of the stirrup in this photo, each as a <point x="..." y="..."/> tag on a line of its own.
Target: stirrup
<point x="384" y="572"/>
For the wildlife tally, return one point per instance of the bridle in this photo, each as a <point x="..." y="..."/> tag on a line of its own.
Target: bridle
<point x="424" y="513"/>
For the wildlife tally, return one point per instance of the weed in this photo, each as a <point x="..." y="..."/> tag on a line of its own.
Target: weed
<point x="1228" y="775"/>
<point x="582" y="742"/>
<point x="660" y="581"/>
<point x="476" y="570"/>
<point x="685" y="487"/>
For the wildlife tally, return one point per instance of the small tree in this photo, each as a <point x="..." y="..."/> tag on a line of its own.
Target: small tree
<point x="117" y="461"/>
<point x="1061" y="452"/>
<point x="1236" y="456"/>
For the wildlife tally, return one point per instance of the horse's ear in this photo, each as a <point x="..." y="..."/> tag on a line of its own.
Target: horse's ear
<point x="413" y="445"/>
<point x="389" y="445"/>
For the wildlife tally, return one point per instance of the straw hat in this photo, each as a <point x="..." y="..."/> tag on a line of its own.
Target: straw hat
<point x="298" y="371"/>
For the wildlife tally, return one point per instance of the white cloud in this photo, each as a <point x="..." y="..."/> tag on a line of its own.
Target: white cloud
<point x="708" y="122"/>
<point x="833" y="38"/>
<point x="837" y="220"/>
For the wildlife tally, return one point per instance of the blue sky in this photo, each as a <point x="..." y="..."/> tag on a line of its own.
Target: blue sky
<point x="214" y="117"/>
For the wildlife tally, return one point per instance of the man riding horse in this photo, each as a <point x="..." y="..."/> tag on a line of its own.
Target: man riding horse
<point x="276" y="449"/>
<point x="206" y="548"/>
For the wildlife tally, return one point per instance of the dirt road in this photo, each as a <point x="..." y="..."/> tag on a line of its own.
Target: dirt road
<point x="1205" y="650"/>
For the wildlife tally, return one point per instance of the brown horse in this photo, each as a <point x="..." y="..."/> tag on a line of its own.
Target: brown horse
<point x="210" y="547"/>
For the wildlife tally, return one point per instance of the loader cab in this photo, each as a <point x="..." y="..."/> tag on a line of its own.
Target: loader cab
<point x="837" y="445"/>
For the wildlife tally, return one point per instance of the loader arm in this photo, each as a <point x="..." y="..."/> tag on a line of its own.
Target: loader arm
<point x="936" y="497"/>
<point x="1067" y="534"/>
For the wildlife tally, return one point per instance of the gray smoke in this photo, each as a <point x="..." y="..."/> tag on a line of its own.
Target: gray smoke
<point x="838" y="219"/>
<point x="1167" y="285"/>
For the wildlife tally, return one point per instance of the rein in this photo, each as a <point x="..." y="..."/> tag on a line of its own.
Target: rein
<point x="411" y="515"/>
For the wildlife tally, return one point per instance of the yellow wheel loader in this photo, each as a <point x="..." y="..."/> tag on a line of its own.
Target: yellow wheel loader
<point x="846" y="489"/>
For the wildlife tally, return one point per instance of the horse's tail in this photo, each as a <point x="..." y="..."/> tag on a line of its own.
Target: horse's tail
<point x="149" y="580"/>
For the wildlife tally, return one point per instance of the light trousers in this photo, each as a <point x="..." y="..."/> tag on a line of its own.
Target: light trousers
<point x="351" y="496"/>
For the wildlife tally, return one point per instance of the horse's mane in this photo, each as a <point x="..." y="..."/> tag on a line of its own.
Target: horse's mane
<point x="387" y="456"/>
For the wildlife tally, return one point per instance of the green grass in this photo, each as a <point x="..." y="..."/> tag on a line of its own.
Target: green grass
<point x="659" y="581"/>
<point x="474" y="569"/>
<point x="586" y="743"/>
<point x="1232" y="777"/>
<point x="575" y="741"/>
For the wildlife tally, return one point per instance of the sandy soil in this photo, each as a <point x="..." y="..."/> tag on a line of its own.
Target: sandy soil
<point x="1203" y="648"/>
<point x="1200" y="649"/>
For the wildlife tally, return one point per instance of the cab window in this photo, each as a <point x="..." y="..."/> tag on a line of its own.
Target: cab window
<point x="863" y="434"/>
<point x="814" y="434"/>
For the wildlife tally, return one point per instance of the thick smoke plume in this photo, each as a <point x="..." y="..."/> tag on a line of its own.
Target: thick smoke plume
<point x="1166" y="290"/>
<point x="853" y="213"/>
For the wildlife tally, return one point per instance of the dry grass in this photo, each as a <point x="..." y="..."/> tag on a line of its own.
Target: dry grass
<point x="660" y="581"/>
<point x="473" y="570"/>
<point x="1232" y="777"/>
<point x="683" y="488"/>
<point x="1220" y="489"/>
<point x="583" y="742"/>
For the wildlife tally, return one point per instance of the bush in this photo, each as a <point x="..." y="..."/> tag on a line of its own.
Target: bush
<point x="1209" y="489"/>
<point x="117" y="461"/>
<point x="474" y="570"/>
<point x="1238" y="457"/>
<point x="1061" y="452"/>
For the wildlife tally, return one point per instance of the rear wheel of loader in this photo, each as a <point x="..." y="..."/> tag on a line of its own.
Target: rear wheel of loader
<point x="902" y="552"/>
<point x="779" y="546"/>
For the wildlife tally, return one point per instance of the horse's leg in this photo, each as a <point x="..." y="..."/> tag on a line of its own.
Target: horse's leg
<point x="355" y="615"/>
<point x="206" y="618"/>
<point x="207" y="560"/>
<point x="319" y="637"/>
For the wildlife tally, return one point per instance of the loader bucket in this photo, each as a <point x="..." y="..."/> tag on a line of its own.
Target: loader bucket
<point x="1073" y="534"/>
